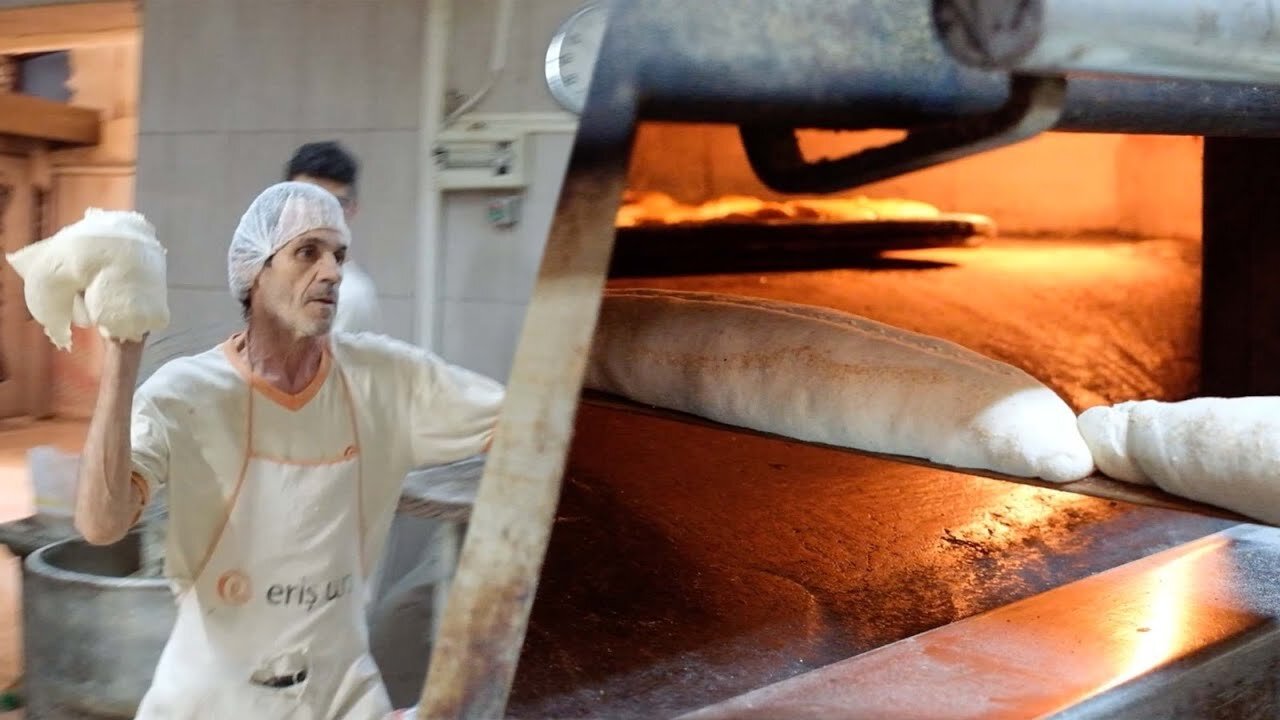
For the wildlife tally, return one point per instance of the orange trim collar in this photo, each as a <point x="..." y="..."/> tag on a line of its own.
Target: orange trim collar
<point x="297" y="401"/>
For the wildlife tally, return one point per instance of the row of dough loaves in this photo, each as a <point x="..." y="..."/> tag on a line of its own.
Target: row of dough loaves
<point x="825" y="376"/>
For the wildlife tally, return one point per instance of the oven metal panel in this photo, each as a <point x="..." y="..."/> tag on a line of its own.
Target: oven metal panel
<point x="1221" y="40"/>
<point x="1188" y="633"/>
<point x="866" y="63"/>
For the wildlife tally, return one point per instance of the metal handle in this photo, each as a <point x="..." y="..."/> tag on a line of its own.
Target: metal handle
<point x="1035" y="105"/>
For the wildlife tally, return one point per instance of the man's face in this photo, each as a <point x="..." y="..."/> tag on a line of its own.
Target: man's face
<point x="299" y="285"/>
<point x="345" y="193"/>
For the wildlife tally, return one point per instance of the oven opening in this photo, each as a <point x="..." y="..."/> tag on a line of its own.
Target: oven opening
<point x="1073" y="256"/>
<point x="748" y="559"/>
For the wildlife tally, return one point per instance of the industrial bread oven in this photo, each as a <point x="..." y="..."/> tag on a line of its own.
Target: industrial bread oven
<point x="715" y="572"/>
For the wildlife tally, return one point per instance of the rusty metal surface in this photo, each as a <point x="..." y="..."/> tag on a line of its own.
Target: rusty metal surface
<point x="1161" y="637"/>
<point x="1099" y="320"/>
<point x="690" y="564"/>
<point x="868" y="63"/>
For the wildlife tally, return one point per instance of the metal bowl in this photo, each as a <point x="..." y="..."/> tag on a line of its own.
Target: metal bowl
<point x="92" y="634"/>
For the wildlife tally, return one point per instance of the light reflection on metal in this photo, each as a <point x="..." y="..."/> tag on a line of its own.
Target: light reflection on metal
<point x="1119" y="638"/>
<point x="1161" y="628"/>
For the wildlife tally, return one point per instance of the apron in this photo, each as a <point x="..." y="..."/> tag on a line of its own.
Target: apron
<point x="273" y="626"/>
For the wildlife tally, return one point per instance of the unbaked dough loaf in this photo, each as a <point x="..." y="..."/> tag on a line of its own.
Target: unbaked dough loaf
<point x="826" y="376"/>
<point x="105" y="271"/>
<point x="1219" y="451"/>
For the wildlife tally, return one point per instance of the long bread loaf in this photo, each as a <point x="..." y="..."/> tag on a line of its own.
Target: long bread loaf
<point x="826" y="376"/>
<point x="1219" y="451"/>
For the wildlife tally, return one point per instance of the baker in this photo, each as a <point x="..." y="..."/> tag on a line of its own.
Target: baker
<point x="282" y="451"/>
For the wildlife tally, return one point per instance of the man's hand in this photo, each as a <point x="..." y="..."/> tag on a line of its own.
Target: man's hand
<point x="108" y="500"/>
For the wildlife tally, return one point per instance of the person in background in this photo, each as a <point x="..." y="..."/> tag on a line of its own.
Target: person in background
<point x="332" y="167"/>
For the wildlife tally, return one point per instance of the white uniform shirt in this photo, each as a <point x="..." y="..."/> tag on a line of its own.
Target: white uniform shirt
<point x="190" y="419"/>
<point x="358" y="308"/>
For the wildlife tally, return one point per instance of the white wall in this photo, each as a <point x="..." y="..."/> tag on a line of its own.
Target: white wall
<point x="231" y="87"/>
<point x="487" y="273"/>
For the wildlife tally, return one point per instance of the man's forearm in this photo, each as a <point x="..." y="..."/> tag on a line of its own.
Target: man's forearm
<point x="107" y="501"/>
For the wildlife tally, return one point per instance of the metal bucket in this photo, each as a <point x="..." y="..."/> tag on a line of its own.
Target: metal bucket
<point x="92" y="635"/>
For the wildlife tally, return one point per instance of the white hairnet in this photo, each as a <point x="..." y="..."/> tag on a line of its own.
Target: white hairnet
<point x="280" y="214"/>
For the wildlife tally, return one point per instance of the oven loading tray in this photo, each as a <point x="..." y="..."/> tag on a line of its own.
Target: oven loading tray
<point x="729" y="245"/>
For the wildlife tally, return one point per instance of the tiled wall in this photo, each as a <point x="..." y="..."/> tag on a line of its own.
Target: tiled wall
<point x="230" y="88"/>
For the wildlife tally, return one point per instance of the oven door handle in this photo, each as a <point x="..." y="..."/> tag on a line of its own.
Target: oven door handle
<point x="1035" y="104"/>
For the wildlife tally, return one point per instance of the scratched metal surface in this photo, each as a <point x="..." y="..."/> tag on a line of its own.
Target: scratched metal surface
<point x="864" y="63"/>
<point x="690" y="564"/>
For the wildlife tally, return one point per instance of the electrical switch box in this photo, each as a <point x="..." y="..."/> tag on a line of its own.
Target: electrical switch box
<point x="479" y="159"/>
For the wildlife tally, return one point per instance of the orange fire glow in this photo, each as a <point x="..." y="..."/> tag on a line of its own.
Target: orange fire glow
<point x="657" y="208"/>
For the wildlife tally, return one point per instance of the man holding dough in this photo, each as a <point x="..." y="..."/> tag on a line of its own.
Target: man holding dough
<point x="282" y="451"/>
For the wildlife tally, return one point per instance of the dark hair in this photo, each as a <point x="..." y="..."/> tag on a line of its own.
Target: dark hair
<point x="246" y="302"/>
<point x="326" y="160"/>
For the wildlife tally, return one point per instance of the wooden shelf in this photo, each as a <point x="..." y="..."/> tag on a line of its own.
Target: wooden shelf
<point x="40" y="119"/>
<point x="61" y="26"/>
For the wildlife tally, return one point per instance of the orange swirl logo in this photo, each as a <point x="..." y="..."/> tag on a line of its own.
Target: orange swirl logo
<point x="234" y="588"/>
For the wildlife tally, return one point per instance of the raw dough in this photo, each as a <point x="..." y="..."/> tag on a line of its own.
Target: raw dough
<point x="826" y="376"/>
<point x="1219" y="451"/>
<point x="105" y="271"/>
